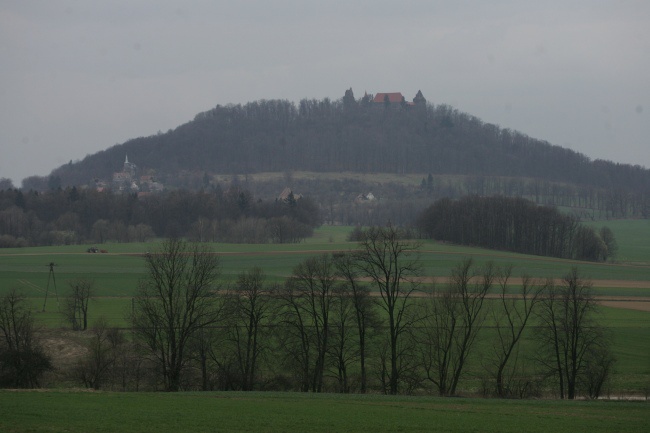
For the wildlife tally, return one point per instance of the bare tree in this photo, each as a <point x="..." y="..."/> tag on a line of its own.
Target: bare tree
<point x="511" y="315"/>
<point x="94" y="369"/>
<point x="100" y="229"/>
<point x="174" y="303"/>
<point x="22" y="360"/>
<point x="76" y="304"/>
<point x="389" y="263"/>
<point x="571" y="339"/>
<point x="251" y="306"/>
<point x="342" y="348"/>
<point x="600" y="363"/>
<point x="608" y="238"/>
<point x="140" y="232"/>
<point x="347" y="269"/>
<point x="308" y="301"/>
<point x="452" y="321"/>
<point x="208" y="348"/>
<point x="295" y="337"/>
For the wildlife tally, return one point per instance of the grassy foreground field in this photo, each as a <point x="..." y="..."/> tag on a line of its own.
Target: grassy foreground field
<point x="34" y="411"/>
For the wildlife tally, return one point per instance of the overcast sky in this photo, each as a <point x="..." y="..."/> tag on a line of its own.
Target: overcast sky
<point x="77" y="77"/>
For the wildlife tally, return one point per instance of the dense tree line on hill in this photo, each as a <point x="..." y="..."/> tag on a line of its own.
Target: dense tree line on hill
<point x="515" y="224"/>
<point x="72" y="216"/>
<point x="351" y="135"/>
<point x="360" y="321"/>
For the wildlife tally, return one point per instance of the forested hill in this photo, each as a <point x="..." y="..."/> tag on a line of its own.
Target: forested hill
<point x="351" y="135"/>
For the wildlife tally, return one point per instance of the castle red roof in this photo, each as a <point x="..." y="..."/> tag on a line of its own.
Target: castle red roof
<point x="394" y="97"/>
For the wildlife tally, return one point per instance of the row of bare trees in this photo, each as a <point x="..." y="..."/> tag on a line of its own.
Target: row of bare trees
<point x="349" y="322"/>
<point x="356" y="322"/>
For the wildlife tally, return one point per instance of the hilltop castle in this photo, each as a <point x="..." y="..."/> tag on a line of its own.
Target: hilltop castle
<point x="396" y="99"/>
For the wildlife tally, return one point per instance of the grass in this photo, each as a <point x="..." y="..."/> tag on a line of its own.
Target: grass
<point x="116" y="277"/>
<point x="629" y="333"/>
<point x="627" y="330"/>
<point x="281" y="412"/>
<point x="117" y="273"/>
<point x="632" y="237"/>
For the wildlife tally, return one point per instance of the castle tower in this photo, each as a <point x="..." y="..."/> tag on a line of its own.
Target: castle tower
<point x="419" y="98"/>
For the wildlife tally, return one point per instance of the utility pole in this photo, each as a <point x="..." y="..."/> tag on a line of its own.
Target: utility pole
<point x="50" y="276"/>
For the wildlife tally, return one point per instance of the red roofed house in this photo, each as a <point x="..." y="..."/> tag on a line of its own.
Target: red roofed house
<point x="396" y="99"/>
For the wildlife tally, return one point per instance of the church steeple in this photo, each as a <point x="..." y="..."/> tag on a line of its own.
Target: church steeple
<point x="129" y="167"/>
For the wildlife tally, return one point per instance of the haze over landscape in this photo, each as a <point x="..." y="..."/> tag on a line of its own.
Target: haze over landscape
<point x="291" y="215"/>
<point x="78" y="78"/>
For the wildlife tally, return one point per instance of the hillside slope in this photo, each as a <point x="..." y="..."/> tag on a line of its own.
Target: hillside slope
<point x="355" y="136"/>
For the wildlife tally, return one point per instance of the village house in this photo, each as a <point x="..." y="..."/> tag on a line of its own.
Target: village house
<point x="365" y="198"/>
<point x="286" y="194"/>
<point x="149" y="184"/>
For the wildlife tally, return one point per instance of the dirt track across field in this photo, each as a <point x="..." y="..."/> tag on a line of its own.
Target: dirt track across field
<point x="638" y="304"/>
<point x="516" y="281"/>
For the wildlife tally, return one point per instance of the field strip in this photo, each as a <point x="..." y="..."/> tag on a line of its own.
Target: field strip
<point x="629" y="304"/>
<point x="639" y="303"/>
<point x="504" y="255"/>
<point x="517" y="281"/>
<point x="623" y="284"/>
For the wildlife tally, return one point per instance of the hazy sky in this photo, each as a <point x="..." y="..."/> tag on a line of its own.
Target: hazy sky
<point x="77" y="77"/>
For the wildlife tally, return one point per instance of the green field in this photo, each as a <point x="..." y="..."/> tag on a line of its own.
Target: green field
<point x="117" y="273"/>
<point x="629" y="332"/>
<point x="633" y="238"/>
<point x="32" y="411"/>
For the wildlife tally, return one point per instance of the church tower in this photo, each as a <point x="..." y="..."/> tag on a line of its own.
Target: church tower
<point x="129" y="167"/>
